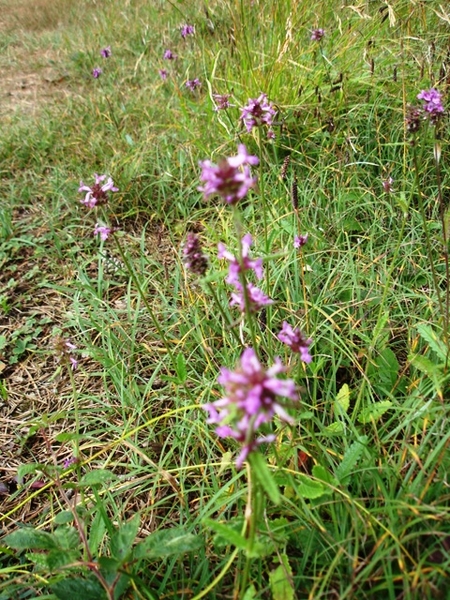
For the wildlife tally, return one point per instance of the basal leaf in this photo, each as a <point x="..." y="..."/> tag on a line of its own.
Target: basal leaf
<point x="374" y="412"/>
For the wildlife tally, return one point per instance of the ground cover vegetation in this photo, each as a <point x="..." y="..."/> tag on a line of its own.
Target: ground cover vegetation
<point x="224" y="326"/>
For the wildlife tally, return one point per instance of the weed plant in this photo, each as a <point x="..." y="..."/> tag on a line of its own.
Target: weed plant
<point x="159" y="441"/>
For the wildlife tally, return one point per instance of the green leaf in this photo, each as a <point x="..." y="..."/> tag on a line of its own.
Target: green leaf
<point x="427" y="333"/>
<point x="250" y="593"/>
<point x="167" y="542"/>
<point x="228" y="533"/>
<point x="79" y="589"/>
<point x="342" y="401"/>
<point x="321" y="473"/>
<point x="308" y="488"/>
<point x="264" y="476"/>
<point x="280" y="581"/>
<point x="123" y="539"/>
<point x="67" y="537"/>
<point x="97" y="477"/>
<point x="350" y="458"/>
<point x="181" y="368"/>
<point x="65" y="516"/>
<point x="29" y="538"/>
<point x="56" y="559"/>
<point x="96" y="533"/>
<point x="335" y="428"/>
<point x="383" y="373"/>
<point x="374" y="412"/>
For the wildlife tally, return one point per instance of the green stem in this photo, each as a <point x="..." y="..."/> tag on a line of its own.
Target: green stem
<point x="225" y="316"/>
<point x="252" y="515"/>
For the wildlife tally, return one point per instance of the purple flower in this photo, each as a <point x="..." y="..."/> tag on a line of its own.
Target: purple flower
<point x="186" y="30"/>
<point x="96" y="72"/>
<point x="221" y="101"/>
<point x="300" y="240"/>
<point x="259" y="111"/>
<point x="387" y="185"/>
<point x="255" y="297"/>
<point x="163" y="74"/>
<point x="193" y="256"/>
<point x="432" y="102"/>
<point x="106" y="52"/>
<point x="317" y="35"/>
<point x="64" y="349"/>
<point x="296" y="341"/>
<point x="192" y="84"/>
<point x="103" y="231"/>
<point x="244" y="264"/>
<point x="169" y="55"/>
<point x="249" y="402"/>
<point x="96" y="195"/>
<point x="70" y="460"/>
<point x="231" y="178"/>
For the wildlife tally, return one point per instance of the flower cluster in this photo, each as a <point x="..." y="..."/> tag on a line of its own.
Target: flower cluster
<point x="317" y="35"/>
<point x="64" y="350"/>
<point x="388" y="185"/>
<point x="96" y="72"/>
<point x="193" y="84"/>
<point x="106" y="52"/>
<point x="252" y="297"/>
<point x="300" y="240"/>
<point x="193" y="256"/>
<point x="296" y="341"/>
<point x="231" y="178"/>
<point x="103" y="231"/>
<point x="222" y="101"/>
<point x="97" y="194"/>
<point x="259" y="111"/>
<point x="163" y="74"/>
<point x="186" y="30"/>
<point x="249" y="402"/>
<point x="432" y="103"/>
<point x="169" y="55"/>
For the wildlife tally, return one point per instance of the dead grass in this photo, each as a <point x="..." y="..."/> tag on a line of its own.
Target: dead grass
<point x="35" y="15"/>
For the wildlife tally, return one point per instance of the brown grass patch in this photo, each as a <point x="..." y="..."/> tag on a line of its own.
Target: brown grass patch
<point x="35" y="15"/>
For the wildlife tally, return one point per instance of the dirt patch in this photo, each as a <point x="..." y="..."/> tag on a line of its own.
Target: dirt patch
<point x="35" y="15"/>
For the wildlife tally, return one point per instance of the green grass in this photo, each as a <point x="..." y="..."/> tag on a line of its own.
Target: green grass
<point x="364" y="505"/>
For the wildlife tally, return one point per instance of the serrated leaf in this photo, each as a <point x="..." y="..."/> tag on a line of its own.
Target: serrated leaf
<point x="335" y="428"/>
<point x="67" y="537"/>
<point x="79" y="589"/>
<point x="280" y="581"/>
<point x="56" y="559"/>
<point x="167" y="542"/>
<point x="308" y="488"/>
<point x="264" y="476"/>
<point x="374" y="412"/>
<point x="32" y="539"/>
<point x="28" y="469"/>
<point x="123" y="539"/>
<point x="428" y="334"/>
<point x="97" y="477"/>
<point x="384" y="372"/>
<point x="350" y="458"/>
<point x="342" y="401"/>
<point x="428" y="367"/>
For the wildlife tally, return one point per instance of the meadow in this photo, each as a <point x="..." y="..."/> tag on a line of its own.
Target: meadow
<point x="224" y="300"/>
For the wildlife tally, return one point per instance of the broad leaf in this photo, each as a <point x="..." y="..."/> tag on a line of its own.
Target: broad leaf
<point x="264" y="476"/>
<point x="374" y="412"/>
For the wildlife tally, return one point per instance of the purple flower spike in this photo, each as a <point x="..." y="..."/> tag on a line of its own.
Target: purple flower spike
<point x="169" y="55"/>
<point x="317" y="35"/>
<point x="246" y="263"/>
<point x="193" y="84"/>
<point x="432" y="100"/>
<point x="222" y="101"/>
<point x="106" y="52"/>
<point x="230" y="179"/>
<point x="103" y="231"/>
<point x="256" y="298"/>
<point x="96" y="72"/>
<point x="249" y="402"/>
<point x="295" y="340"/>
<point x="97" y="194"/>
<point x="300" y="240"/>
<point x="258" y="111"/>
<point x="163" y="74"/>
<point x="193" y="256"/>
<point x="187" y="30"/>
